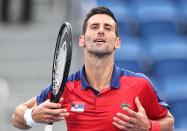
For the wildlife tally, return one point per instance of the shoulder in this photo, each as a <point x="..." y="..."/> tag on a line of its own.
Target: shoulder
<point x="132" y="76"/>
<point x="74" y="77"/>
<point x="137" y="81"/>
<point x="45" y="93"/>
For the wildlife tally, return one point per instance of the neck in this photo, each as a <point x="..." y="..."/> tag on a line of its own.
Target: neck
<point x="99" y="71"/>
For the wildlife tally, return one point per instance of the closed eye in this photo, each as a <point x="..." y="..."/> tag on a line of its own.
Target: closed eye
<point x="94" y="26"/>
<point x="108" y="27"/>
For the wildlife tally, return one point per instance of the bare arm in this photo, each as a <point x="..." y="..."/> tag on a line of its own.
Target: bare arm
<point x="17" y="117"/>
<point x="46" y="112"/>
<point x="167" y="123"/>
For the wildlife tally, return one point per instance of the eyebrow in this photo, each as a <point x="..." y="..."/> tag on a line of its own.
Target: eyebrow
<point x="108" y="25"/>
<point x="105" y="24"/>
<point x="94" y="24"/>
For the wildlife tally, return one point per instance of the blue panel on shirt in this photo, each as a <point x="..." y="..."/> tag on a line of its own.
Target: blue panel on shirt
<point x="43" y="95"/>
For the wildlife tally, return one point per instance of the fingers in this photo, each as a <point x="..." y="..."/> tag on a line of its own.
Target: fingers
<point x="52" y="118"/>
<point x="121" y="124"/>
<point x="131" y="112"/>
<point x="55" y="111"/>
<point x="48" y="112"/>
<point x="62" y="115"/>
<point x="61" y="99"/>
<point x="134" y="114"/>
<point x="127" y="118"/>
<point x="51" y="108"/>
<point x="51" y="105"/>
<point x="139" y="105"/>
<point x="132" y="120"/>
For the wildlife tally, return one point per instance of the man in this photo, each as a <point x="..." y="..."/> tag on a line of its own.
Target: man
<point x="100" y="96"/>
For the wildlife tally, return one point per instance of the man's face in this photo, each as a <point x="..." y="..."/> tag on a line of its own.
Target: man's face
<point x="100" y="38"/>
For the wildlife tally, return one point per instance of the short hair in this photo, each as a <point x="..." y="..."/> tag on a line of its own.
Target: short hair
<point x="99" y="10"/>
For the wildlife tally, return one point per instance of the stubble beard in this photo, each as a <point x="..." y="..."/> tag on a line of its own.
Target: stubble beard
<point x="99" y="53"/>
<point x="94" y="51"/>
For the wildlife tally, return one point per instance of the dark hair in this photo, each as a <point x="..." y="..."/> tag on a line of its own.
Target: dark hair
<point x="99" y="10"/>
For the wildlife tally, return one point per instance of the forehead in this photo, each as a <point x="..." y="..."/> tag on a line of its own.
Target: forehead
<point x="101" y="19"/>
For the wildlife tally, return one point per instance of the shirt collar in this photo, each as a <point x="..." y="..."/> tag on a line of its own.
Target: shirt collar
<point x="115" y="82"/>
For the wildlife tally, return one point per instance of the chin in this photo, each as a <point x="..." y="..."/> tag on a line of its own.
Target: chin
<point x="101" y="54"/>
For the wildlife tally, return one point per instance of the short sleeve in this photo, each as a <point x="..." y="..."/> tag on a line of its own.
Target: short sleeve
<point x="149" y="100"/>
<point x="43" y="96"/>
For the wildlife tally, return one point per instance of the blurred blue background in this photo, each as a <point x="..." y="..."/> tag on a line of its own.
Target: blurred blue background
<point x="154" y="42"/>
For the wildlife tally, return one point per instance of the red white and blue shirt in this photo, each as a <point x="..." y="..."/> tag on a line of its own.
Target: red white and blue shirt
<point x="94" y="111"/>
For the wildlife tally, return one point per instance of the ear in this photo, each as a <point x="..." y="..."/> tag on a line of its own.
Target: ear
<point x="81" y="41"/>
<point x="118" y="42"/>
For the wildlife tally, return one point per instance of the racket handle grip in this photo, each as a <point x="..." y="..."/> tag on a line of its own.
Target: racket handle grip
<point x="49" y="127"/>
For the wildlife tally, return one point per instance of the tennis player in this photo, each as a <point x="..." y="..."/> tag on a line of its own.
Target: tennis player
<point x="100" y="96"/>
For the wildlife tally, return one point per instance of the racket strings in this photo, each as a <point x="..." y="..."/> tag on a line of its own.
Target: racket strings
<point x="61" y="61"/>
<point x="59" y="67"/>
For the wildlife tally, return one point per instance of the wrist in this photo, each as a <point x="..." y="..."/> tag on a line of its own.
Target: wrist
<point x="155" y="125"/>
<point x="28" y="118"/>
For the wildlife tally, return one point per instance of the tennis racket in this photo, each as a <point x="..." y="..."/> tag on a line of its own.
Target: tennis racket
<point x="61" y="64"/>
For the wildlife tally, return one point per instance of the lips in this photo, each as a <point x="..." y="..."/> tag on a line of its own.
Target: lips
<point x="99" y="40"/>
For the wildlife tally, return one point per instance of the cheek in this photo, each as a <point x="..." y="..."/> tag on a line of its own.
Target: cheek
<point x="112" y="40"/>
<point x="87" y="38"/>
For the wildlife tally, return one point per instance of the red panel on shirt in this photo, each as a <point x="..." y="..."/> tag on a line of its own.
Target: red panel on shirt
<point x="99" y="110"/>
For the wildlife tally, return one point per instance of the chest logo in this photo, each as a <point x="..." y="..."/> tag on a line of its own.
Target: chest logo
<point x="78" y="106"/>
<point x="123" y="105"/>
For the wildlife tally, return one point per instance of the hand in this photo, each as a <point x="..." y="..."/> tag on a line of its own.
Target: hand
<point x="49" y="112"/>
<point x="137" y="121"/>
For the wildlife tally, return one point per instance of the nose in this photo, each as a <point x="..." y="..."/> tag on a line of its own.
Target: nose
<point x="101" y="31"/>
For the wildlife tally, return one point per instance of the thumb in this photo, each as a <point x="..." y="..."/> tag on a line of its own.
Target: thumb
<point x="139" y="105"/>
<point x="48" y="100"/>
<point x="61" y="100"/>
